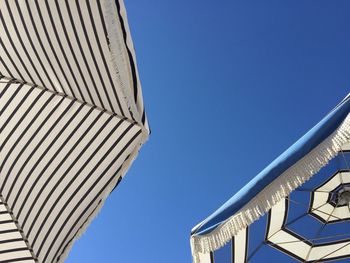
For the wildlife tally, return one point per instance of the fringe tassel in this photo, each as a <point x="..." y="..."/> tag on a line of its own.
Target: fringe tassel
<point x="291" y="179"/>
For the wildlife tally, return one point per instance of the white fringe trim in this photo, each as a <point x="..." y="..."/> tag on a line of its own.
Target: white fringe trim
<point x="291" y="179"/>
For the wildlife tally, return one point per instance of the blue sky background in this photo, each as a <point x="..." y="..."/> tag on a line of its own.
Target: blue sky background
<point x="228" y="86"/>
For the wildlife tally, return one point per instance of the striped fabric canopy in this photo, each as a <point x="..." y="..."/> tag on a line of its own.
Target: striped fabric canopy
<point x="72" y="120"/>
<point x="296" y="210"/>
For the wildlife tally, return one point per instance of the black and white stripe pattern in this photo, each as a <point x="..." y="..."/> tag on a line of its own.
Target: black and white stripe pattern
<point x="13" y="246"/>
<point x="71" y="120"/>
<point x="64" y="46"/>
<point x="57" y="157"/>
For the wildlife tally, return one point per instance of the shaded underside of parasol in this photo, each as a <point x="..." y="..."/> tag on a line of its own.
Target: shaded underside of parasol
<point x="72" y="120"/>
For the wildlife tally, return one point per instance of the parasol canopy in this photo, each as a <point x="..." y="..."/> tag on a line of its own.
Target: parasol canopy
<point x="296" y="210"/>
<point x="72" y="120"/>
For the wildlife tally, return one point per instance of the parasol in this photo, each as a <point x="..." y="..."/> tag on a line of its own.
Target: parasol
<point x="72" y="120"/>
<point x="296" y="210"/>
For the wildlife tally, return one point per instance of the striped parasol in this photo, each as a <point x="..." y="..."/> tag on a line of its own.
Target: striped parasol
<point x="72" y="120"/>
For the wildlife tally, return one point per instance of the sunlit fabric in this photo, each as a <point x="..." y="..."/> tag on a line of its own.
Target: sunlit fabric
<point x="72" y="120"/>
<point x="307" y="219"/>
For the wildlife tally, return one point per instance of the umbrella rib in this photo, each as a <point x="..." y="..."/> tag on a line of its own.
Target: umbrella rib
<point x="320" y="230"/>
<point x="19" y="229"/>
<point x="73" y="98"/>
<point x="293" y="219"/>
<point x="311" y="190"/>
<point x="296" y="219"/>
<point x="316" y="209"/>
<point x="256" y="250"/>
<point x="312" y="239"/>
<point x="332" y="252"/>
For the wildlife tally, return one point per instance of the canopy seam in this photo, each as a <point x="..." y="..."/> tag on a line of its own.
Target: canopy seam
<point x="19" y="228"/>
<point x="14" y="80"/>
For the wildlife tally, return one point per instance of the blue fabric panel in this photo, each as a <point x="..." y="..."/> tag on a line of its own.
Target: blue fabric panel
<point x="223" y="255"/>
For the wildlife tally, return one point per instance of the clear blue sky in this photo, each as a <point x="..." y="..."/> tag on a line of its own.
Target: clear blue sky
<point x="228" y="86"/>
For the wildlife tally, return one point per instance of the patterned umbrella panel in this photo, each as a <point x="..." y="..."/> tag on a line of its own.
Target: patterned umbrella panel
<point x="72" y="120"/>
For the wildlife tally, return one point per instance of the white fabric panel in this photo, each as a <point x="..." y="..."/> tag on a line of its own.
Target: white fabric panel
<point x="277" y="217"/>
<point x="330" y="251"/>
<point x="345" y="177"/>
<point x="341" y="212"/>
<point x="290" y="243"/>
<point x="2" y="208"/>
<point x="320" y="199"/>
<point x="240" y="247"/>
<point x="331" y="184"/>
<point x="205" y="258"/>
<point x="346" y="147"/>
<point x="326" y="212"/>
